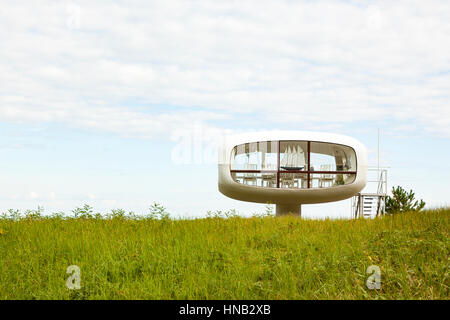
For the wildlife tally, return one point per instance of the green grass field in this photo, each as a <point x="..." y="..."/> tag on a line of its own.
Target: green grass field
<point x="234" y="258"/>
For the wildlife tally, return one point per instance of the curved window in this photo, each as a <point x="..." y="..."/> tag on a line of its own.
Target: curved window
<point x="255" y="156"/>
<point x="293" y="155"/>
<point x="293" y="164"/>
<point x="332" y="157"/>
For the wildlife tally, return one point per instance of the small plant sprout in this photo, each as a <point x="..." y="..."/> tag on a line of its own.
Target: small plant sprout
<point x="157" y="211"/>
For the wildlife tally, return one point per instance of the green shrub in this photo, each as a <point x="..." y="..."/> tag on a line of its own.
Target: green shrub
<point x="402" y="201"/>
<point x="158" y="211"/>
<point x="84" y="212"/>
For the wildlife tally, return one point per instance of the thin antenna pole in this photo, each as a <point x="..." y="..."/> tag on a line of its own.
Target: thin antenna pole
<point x="378" y="150"/>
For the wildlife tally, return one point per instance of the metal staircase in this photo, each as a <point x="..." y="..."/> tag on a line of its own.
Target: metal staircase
<point x="372" y="204"/>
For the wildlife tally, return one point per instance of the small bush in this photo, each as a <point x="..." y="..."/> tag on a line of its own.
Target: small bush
<point x="157" y="211"/>
<point x="402" y="201"/>
<point x="84" y="212"/>
<point x="117" y="214"/>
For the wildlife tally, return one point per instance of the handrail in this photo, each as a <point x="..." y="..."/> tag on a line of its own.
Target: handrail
<point x="381" y="193"/>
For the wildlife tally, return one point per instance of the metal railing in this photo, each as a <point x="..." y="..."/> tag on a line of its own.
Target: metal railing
<point x="372" y="201"/>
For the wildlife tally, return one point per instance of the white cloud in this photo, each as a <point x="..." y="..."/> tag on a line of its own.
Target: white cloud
<point x="119" y="67"/>
<point x="33" y="195"/>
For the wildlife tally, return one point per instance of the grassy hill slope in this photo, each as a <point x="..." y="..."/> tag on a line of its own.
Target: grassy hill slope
<point x="235" y="258"/>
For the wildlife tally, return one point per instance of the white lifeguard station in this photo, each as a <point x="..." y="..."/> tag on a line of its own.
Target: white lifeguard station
<point x="291" y="168"/>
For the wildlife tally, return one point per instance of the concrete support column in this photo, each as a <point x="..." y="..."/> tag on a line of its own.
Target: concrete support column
<point x="284" y="209"/>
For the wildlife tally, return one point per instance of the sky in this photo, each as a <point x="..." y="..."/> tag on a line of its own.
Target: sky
<point x="119" y="104"/>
